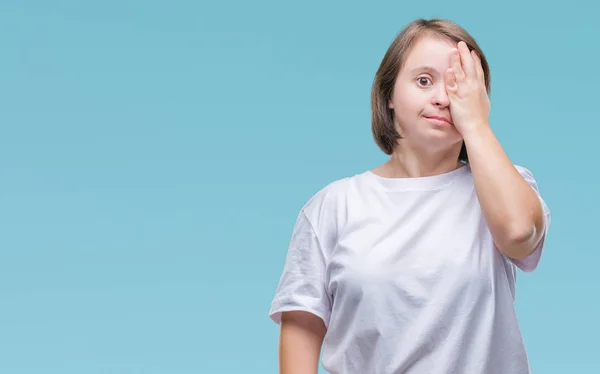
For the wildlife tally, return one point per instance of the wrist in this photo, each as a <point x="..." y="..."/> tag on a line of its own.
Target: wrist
<point x="476" y="131"/>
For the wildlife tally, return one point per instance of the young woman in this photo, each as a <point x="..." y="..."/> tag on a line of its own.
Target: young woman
<point x="411" y="267"/>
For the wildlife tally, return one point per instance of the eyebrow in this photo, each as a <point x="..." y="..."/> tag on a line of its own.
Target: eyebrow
<point x="425" y="68"/>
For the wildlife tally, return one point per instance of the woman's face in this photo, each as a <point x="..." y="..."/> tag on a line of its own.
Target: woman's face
<point x="419" y="100"/>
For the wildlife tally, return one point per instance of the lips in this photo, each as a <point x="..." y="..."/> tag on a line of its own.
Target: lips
<point x="439" y="118"/>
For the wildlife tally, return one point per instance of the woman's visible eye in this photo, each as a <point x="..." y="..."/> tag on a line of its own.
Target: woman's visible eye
<point x="423" y="81"/>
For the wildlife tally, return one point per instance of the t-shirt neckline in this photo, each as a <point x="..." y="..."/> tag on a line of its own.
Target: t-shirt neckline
<point x="417" y="183"/>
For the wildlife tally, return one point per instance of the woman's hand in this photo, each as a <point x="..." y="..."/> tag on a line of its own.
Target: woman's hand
<point x="465" y="85"/>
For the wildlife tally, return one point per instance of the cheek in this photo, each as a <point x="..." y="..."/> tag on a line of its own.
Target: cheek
<point x="411" y="101"/>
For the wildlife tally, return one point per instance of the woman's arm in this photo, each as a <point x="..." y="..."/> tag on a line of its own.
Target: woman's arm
<point x="512" y="209"/>
<point x="300" y="342"/>
<point x="510" y="206"/>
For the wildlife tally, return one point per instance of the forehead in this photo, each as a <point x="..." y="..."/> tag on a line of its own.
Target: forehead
<point x="430" y="51"/>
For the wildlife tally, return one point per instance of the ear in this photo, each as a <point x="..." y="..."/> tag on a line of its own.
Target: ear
<point x="390" y="104"/>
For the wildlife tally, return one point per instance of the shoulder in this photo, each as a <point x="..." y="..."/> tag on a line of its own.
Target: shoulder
<point x="328" y="197"/>
<point x="326" y="211"/>
<point x="527" y="174"/>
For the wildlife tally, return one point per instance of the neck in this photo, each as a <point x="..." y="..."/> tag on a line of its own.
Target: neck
<point x="407" y="163"/>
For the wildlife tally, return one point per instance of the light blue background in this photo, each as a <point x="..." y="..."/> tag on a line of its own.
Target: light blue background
<point x="154" y="156"/>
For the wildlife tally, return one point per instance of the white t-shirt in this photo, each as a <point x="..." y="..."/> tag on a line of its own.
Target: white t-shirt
<point x="406" y="277"/>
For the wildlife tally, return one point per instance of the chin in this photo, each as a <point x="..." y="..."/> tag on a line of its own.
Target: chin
<point x="447" y="137"/>
<point x="446" y="132"/>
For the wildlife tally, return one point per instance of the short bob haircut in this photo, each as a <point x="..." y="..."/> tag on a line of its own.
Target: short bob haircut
<point x="382" y="121"/>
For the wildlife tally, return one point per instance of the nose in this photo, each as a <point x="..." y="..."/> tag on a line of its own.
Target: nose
<point x="440" y="96"/>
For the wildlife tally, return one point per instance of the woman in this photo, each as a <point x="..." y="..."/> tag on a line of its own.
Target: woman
<point x="411" y="267"/>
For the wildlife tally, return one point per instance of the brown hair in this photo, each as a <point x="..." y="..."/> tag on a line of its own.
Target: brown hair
<point x="382" y="121"/>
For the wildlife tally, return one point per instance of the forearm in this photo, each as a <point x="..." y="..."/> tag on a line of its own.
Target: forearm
<point x="510" y="206"/>
<point x="300" y="343"/>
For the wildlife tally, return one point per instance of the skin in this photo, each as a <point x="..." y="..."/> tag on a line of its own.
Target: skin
<point x="427" y="148"/>
<point x="439" y="79"/>
<point x="300" y="341"/>
<point x="511" y="207"/>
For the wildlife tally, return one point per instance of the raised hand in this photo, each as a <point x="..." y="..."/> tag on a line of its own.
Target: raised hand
<point x="465" y="85"/>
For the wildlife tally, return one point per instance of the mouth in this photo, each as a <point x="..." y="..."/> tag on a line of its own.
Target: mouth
<point x="440" y="120"/>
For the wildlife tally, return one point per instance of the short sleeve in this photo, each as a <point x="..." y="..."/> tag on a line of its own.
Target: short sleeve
<point x="302" y="285"/>
<point x="531" y="262"/>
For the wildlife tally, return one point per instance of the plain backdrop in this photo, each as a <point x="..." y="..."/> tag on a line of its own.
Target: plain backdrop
<point x="154" y="156"/>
